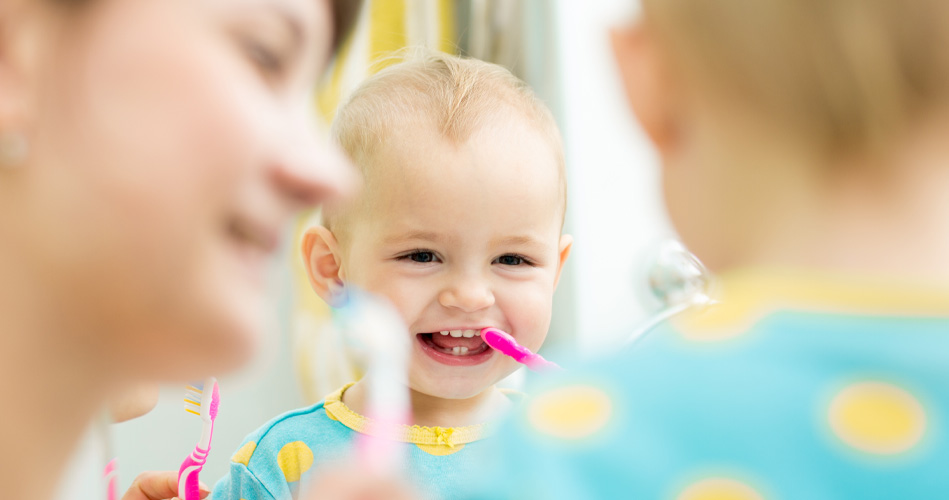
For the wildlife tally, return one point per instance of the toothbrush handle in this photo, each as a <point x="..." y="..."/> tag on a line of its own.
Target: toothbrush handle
<point x="536" y="362"/>
<point x="111" y="479"/>
<point x="188" y="488"/>
<point x="188" y="475"/>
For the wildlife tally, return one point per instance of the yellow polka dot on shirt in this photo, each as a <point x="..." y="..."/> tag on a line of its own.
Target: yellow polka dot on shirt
<point x="570" y="412"/>
<point x="877" y="417"/>
<point x="719" y="488"/>
<point x="243" y="455"/>
<point x="294" y="459"/>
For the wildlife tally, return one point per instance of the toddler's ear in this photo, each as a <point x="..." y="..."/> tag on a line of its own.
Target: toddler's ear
<point x="566" y="243"/>
<point x="321" y="259"/>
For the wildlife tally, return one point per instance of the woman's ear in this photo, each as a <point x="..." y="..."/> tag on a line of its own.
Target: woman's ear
<point x="19" y="43"/>
<point x="322" y="261"/>
<point x="647" y="83"/>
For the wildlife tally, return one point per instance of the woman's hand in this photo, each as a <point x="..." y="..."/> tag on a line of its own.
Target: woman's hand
<point x="158" y="485"/>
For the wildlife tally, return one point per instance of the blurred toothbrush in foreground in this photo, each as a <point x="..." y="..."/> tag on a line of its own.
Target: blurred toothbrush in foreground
<point x="201" y="399"/>
<point x="375" y="332"/>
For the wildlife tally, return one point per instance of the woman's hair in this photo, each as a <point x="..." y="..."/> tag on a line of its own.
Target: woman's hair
<point x="345" y="13"/>
<point x="845" y="75"/>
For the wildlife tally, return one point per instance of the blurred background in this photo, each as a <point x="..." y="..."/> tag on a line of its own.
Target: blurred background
<point x="615" y="212"/>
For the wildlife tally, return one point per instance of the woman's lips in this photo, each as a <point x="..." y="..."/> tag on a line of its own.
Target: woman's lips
<point x="254" y="234"/>
<point x="253" y="244"/>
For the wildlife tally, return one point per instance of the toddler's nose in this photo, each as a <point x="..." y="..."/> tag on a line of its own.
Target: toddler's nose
<point x="468" y="297"/>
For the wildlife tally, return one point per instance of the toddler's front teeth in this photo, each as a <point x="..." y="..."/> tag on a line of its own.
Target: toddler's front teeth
<point x="459" y="351"/>
<point x="444" y="332"/>
<point x="470" y="333"/>
<point x="455" y="333"/>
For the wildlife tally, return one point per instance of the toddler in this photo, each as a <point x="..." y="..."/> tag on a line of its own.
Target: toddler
<point x="458" y="225"/>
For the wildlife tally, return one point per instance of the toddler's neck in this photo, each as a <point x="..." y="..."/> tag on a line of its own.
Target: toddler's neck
<point x="432" y="411"/>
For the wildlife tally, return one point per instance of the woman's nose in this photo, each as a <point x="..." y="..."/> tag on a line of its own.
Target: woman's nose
<point x="311" y="169"/>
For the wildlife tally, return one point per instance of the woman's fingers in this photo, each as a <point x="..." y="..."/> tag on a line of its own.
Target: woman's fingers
<point x="158" y="485"/>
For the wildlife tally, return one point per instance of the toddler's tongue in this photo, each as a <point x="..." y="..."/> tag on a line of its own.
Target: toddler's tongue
<point x="448" y="342"/>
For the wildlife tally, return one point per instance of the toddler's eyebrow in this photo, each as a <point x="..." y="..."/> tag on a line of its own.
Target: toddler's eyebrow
<point x="414" y="235"/>
<point x="519" y="240"/>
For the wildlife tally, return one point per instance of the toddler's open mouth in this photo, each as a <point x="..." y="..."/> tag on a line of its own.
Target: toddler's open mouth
<point x="455" y="347"/>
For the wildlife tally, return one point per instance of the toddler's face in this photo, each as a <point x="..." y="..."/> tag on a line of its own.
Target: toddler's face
<point x="461" y="237"/>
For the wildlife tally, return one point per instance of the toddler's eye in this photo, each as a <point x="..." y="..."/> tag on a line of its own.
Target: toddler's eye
<point x="423" y="257"/>
<point x="511" y="260"/>
<point x="420" y="256"/>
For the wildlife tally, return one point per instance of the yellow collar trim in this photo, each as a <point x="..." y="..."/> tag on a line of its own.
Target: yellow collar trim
<point x="743" y="297"/>
<point x="416" y="434"/>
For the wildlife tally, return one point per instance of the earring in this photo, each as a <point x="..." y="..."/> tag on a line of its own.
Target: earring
<point x="14" y="148"/>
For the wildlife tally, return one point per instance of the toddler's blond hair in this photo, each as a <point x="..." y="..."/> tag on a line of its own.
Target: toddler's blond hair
<point x="453" y="96"/>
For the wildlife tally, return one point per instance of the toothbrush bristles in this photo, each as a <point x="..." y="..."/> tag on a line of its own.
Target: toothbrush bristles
<point x="193" y="397"/>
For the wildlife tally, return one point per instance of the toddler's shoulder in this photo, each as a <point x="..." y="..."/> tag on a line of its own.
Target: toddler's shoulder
<point x="304" y="430"/>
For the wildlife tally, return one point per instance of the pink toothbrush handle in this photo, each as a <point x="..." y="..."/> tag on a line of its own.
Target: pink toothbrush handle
<point x="537" y="362"/>
<point x="188" y="488"/>
<point x="188" y="475"/>
<point x="504" y="343"/>
<point x="111" y="479"/>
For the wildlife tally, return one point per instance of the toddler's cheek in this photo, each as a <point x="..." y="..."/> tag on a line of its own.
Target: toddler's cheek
<point x="533" y="327"/>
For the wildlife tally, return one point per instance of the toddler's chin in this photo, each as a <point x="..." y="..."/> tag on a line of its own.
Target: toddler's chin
<point x="457" y="390"/>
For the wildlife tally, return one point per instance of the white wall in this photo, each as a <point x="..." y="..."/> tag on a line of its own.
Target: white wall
<point x="615" y="211"/>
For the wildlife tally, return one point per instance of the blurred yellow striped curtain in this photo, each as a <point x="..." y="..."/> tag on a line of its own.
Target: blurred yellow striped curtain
<point x="385" y="27"/>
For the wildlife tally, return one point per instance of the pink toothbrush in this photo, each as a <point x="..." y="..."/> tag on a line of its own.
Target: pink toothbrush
<point x="505" y="344"/>
<point x="374" y="331"/>
<point x="111" y="480"/>
<point x="201" y="399"/>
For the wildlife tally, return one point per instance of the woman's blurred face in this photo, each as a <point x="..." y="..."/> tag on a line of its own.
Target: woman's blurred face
<point x="171" y="141"/>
